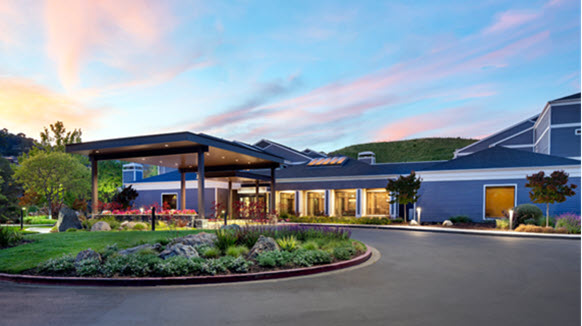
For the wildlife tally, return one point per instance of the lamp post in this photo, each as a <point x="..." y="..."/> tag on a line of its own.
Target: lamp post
<point x="224" y="214"/>
<point x="510" y="219"/>
<point x="418" y="210"/>
<point x="22" y="218"/>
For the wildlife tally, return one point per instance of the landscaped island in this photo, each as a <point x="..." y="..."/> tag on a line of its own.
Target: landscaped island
<point x="232" y="250"/>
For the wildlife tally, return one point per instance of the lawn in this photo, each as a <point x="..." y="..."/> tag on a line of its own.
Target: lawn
<point x="53" y="245"/>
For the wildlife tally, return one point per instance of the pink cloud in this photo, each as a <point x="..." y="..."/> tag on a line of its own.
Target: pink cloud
<point x="510" y="19"/>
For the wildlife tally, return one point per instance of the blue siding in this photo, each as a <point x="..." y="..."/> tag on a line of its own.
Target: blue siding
<point x="487" y="142"/>
<point x="148" y="197"/>
<point x="565" y="114"/>
<point x="565" y="142"/>
<point x="543" y="146"/>
<point x="524" y="139"/>
<point x="443" y="199"/>
<point x="380" y="183"/>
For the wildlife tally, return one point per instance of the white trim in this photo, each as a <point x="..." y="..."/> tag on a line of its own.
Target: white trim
<point x="566" y="125"/>
<point x="541" y="116"/>
<point x="168" y="193"/>
<point x="517" y="146"/>
<point x="451" y="175"/>
<point x="512" y="136"/>
<point x="498" y="185"/>
<point x="566" y="102"/>
<point x="172" y="185"/>
<point x="574" y="158"/>
<point x="541" y="136"/>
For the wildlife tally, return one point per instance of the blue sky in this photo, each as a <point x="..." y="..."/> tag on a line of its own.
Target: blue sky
<point x="318" y="74"/>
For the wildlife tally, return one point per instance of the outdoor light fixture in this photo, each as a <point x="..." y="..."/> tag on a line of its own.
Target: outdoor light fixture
<point x="418" y="210"/>
<point x="166" y="145"/>
<point x="22" y="218"/>
<point x="511" y="219"/>
<point x="141" y="210"/>
<point x="224" y="214"/>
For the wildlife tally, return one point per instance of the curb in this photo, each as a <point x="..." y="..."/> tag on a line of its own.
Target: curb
<point x="185" y="280"/>
<point x="511" y="234"/>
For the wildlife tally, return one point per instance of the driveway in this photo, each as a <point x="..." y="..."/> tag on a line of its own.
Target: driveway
<point x="421" y="279"/>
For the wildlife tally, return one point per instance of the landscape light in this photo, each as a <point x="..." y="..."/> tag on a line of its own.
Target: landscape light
<point x="418" y="210"/>
<point x="511" y="219"/>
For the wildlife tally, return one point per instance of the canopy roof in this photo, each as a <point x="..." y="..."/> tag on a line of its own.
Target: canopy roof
<point x="179" y="150"/>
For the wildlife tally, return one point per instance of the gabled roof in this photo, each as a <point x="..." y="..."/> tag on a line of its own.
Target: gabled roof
<point x="567" y="98"/>
<point x="501" y="157"/>
<point x="289" y="154"/>
<point x="313" y="154"/>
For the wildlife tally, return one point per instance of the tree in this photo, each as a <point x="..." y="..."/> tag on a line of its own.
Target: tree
<point x="404" y="190"/>
<point x="9" y="191"/>
<point x="52" y="175"/>
<point x="58" y="137"/>
<point x="126" y="197"/>
<point x="110" y="179"/>
<point x="549" y="189"/>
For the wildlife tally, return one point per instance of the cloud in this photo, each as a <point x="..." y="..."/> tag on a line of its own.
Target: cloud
<point x="510" y="19"/>
<point x="27" y="107"/>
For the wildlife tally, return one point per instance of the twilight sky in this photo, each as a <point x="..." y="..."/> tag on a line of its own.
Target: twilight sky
<point x="318" y="74"/>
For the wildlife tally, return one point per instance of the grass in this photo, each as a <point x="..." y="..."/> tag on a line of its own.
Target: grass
<point x="39" y="220"/>
<point x="422" y="149"/>
<point x="53" y="245"/>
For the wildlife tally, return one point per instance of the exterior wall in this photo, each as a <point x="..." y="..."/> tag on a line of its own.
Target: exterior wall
<point x="441" y="200"/>
<point x="565" y="114"/>
<point x="148" y="197"/>
<point x="487" y="142"/>
<point x="565" y="142"/>
<point x="129" y="176"/>
<point x="521" y="139"/>
<point x="542" y="144"/>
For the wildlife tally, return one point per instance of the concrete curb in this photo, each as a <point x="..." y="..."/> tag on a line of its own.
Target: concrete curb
<point x="185" y="280"/>
<point x="511" y="234"/>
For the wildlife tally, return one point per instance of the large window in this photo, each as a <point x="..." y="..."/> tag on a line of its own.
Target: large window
<point x="377" y="202"/>
<point x="315" y="203"/>
<point x="498" y="200"/>
<point x="345" y="203"/>
<point x="287" y="203"/>
<point x="169" y="201"/>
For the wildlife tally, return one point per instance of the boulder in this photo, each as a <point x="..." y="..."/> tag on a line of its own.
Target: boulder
<point x="200" y="223"/>
<point x="127" y="225"/>
<point x="447" y="223"/>
<point x="413" y="222"/>
<point x="263" y="244"/>
<point x="233" y="227"/>
<point x="100" y="226"/>
<point x="179" y="249"/>
<point x="68" y="219"/>
<point x="133" y="250"/>
<point x="196" y="240"/>
<point x="87" y="254"/>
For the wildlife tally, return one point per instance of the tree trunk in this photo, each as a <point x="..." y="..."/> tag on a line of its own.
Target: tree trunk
<point x="547" y="214"/>
<point x="405" y="209"/>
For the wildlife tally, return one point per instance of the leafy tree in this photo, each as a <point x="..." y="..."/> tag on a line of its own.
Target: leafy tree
<point x="9" y="191"/>
<point x="126" y="197"/>
<point x="53" y="175"/>
<point x="549" y="189"/>
<point x="110" y="179"/>
<point x="57" y="137"/>
<point x="404" y="190"/>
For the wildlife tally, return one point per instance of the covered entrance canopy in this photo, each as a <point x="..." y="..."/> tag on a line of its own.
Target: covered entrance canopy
<point x="206" y="155"/>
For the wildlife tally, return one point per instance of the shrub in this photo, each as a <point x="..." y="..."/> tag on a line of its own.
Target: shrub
<point x="237" y="251"/>
<point x="310" y="245"/>
<point x="534" y="229"/>
<point x="139" y="227"/>
<point x="274" y="258"/>
<point x="210" y="252"/>
<point x="502" y="223"/>
<point x="38" y="220"/>
<point x="64" y="265"/>
<point x="225" y="239"/>
<point x="525" y="212"/>
<point x="358" y="246"/>
<point x="131" y="265"/>
<point x="71" y="230"/>
<point x="460" y="219"/>
<point x="569" y="221"/>
<point x="213" y="267"/>
<point x="9" y="237"/>
<point x="109" y="251"/>
<point x="308" y="258"/>
<point x="288" y="243"/>
<point x="88" y="267"/>
<point x="343" y="253"/>
<point x="179" y="266"/>
<point x="236" y="265"/>
<point x="530" y="221"/>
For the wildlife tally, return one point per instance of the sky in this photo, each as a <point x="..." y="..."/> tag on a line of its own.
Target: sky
<point x="317" y="74"/>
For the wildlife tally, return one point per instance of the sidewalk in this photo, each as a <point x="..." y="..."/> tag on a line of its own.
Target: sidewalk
<point x="452" y="230"/>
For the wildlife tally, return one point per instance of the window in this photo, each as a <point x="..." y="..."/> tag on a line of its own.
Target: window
<point x="577" y="132"/>
<point x="345" y="203"/>
<point x="377" y="202"/>
<point x="169" y="201"/>
<point x="315" y="203"/>
<point x="287" y="203"/>
<point x="498" y="200"/>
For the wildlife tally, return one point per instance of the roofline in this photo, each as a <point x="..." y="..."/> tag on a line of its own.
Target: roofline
<point x="386" y="163"/>
<point x="272" y="143"/>
<point x="492" y="135"/>
<point x="550" y="103"/>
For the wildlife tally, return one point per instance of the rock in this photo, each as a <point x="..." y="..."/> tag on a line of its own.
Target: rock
<point x="263" y="244"/>
<point x="133" y="250"/>
<point x="447" y="223"/>
<point x="196" y="240"/>
<point x="100" y="226"/>
<point x="201" y="223"/>
<point x="68" y="219"/>
<point x="413" y="222"/>
<point x="179" y="249"/>
<point x="87" y="254"/>
<point x="234" y="227"/>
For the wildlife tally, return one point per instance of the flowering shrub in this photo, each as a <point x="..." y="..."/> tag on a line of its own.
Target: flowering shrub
<point x="569" y="221"/>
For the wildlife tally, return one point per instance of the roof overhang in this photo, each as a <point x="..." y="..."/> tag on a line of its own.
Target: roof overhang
<point x="179" y="150"/>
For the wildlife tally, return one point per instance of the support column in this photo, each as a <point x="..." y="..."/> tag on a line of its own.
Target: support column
<point x="272" y="199"/>
<point x="257" y="191"/>
<point x="201" y="213"/>
<point x="229" y="201"/>
<point x="182" y="190"/>
<point x="94" y="187"/>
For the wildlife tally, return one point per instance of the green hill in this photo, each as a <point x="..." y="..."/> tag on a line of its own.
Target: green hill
<point x="422" y="149"/>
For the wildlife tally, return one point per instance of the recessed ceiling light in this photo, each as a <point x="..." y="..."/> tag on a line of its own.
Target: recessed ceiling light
<point x="223" y="157"/>
<point x="236" y="159"/>
<point x="161" y="161"/>
<point x="166" y="145"/>
<point x="189" y="166"/>
<point x="97" y="152"/>
<point x="143" y="158"/>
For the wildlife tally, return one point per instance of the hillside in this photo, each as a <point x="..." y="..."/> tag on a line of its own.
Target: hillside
<point x="422" y="149"/>
<point x="14" y="145"/>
